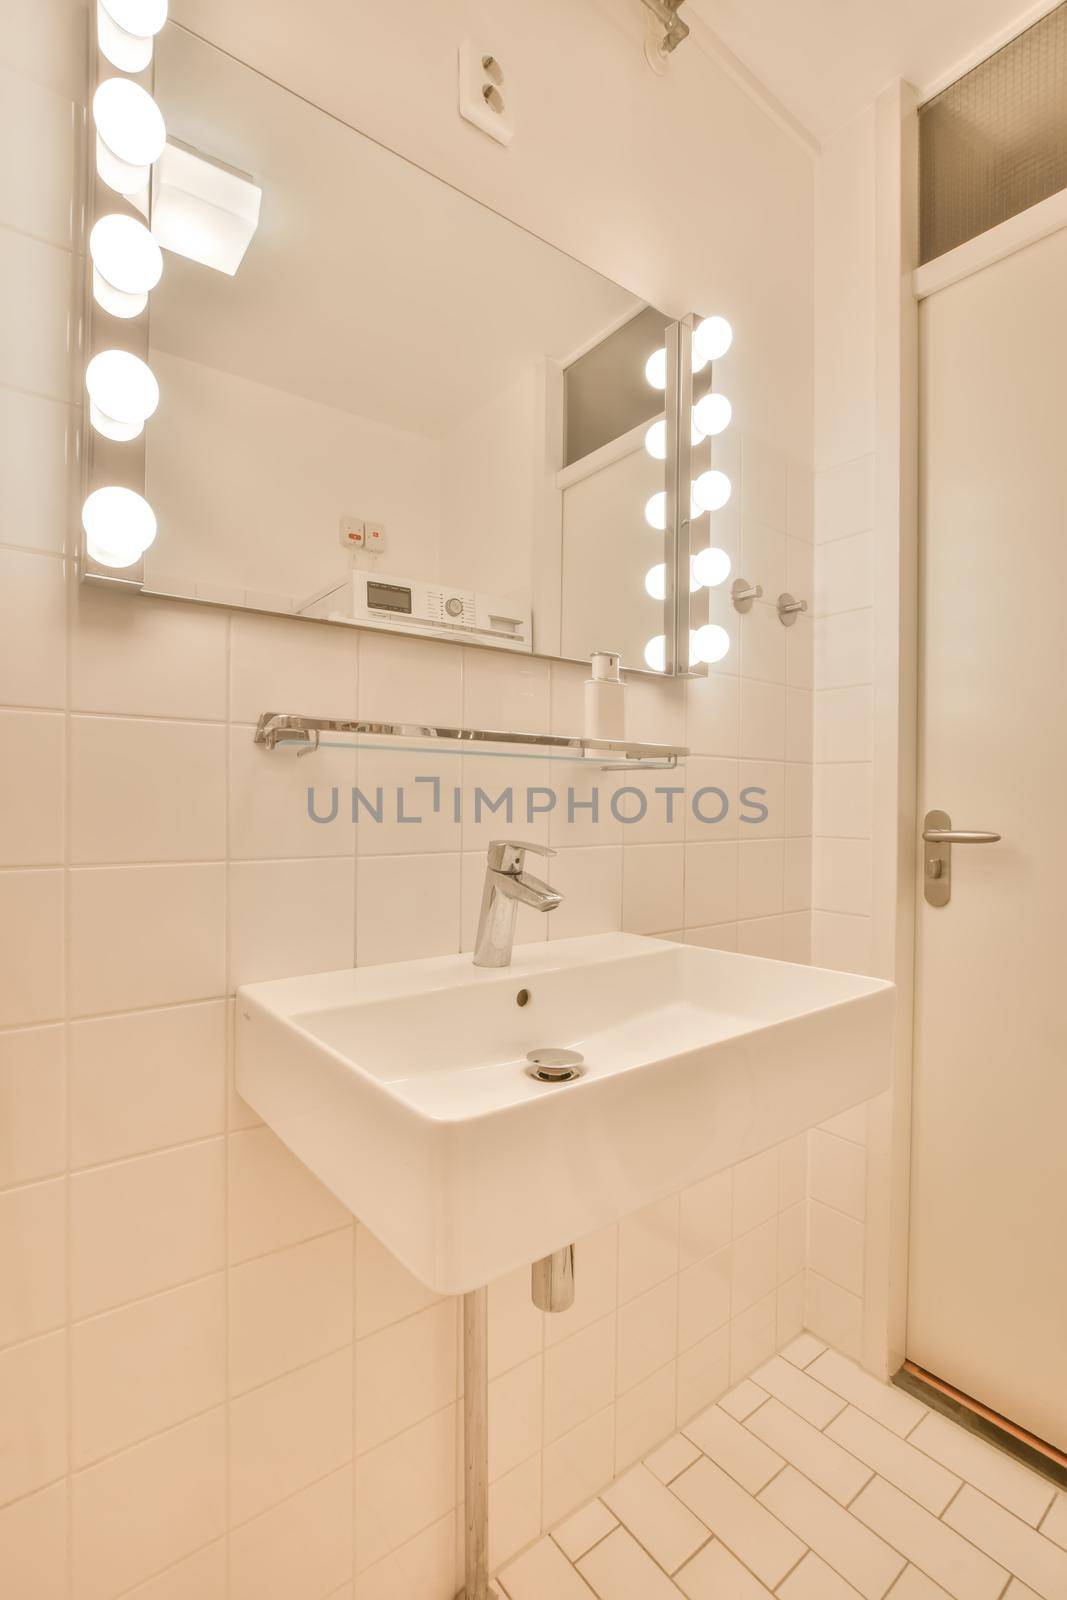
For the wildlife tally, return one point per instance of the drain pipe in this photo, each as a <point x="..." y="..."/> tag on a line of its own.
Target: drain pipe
<point x="552" y="1287"/>
<point x="552" y="1281"/>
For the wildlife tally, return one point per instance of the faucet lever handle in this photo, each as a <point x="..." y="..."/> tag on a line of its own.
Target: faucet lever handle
<point x="506" y="855"/>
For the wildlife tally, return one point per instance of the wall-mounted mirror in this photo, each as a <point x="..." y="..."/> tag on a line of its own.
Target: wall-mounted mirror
<point x="396" y="408"/>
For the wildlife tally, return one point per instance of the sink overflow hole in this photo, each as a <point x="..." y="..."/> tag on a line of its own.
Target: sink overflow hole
<point x="555" y="1066"/>
<point x="523" y="997"/>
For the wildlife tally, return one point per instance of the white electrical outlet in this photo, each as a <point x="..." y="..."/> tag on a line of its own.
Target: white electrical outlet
<point x="375" y="537"/>
<point x="353" y="535"/>
<point x="484" y="93"/>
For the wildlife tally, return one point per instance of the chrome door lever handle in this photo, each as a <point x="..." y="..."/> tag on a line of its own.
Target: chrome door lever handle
<point x="959" y="836"/>
<point x="938" y="838"/>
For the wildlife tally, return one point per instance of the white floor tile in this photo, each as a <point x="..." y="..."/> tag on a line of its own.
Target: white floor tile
<point x="890" y="1406"/>
<point x="1054" y="1526"/>
<point x="735" y="1448"/>
<point x="1008" y="1482"/>
<point x="915" y="1585"/>
<point x="895" y="1459"/>
<point x="585" y="1529"/>
<point x="1019" y="1591"/>
<point x="618" y="1569"/>
<point x="672" y="1458"/>
<point x="743" y="1400"/>
<point x="811" y="1452"/>
<point x="658" y="1520"/>
<point x="800" y="1393"/>
<point x="714" y="1574"/>
<point x="814" y="1580"/>
<point x="543" y="1570"/>
<point x="929" y="1544"/>
<point x="853" y="1551"/>
<point x="803" y="1350"/>
<point x="744" y="1526"/>
<point x="1026" y="1554"/>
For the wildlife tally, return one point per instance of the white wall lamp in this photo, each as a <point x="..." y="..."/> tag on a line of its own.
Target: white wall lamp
<point x="691" y="346"/>
<point x="125" y="265"/>
<point x="203" y="209"/>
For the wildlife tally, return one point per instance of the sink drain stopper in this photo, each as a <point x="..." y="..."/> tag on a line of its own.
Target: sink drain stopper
<point x="555" y="1066"/>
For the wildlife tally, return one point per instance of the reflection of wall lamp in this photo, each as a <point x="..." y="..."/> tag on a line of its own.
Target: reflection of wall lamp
<point x="663" y="15"/>
<point x="203" y="209"/>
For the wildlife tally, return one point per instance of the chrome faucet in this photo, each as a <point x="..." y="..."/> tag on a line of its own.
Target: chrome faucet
<point x="507" y="887"/>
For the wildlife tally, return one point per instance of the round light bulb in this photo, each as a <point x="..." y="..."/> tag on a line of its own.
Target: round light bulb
<point x="713" y="337"/>
<point x="127" y="51"/>
<point x="656" y="581"/>
<point x="708" y="644"/>
<point x="656" y="653"/>
<point x="122" y="387"/>
<point x="125" y="254"/>
<point x="712" y="490"/>
<point x="656" y="369"/>
<point x="114" y="301"/>
<point x="119" y="526"/>
<point x="656" y="439"/>
<point x="710" y="567"/>
<point x="120" y="175"/>
<point x="143" y="18"/>
<point x="111" y="427"/>
<point x="656" y="511"/>
<point x="129" y="122"/>
<point x="711" y="415"/>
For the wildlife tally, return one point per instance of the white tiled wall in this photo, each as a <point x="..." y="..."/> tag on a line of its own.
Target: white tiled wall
<point x="212" y="1382"/>
<point x="842" y="874"/>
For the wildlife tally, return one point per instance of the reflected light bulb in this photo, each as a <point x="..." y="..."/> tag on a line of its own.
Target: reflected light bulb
<point x="712" y="490"/>
<point x="711" y="567"/>
<point x="698" y="359"/>
<point x="656" y="653"/>
<point x="128" y="50"/>
<point x="656" y="440"/>
<point x="656" y="581"/>
<point x="656" y="510"/>
<point x="131" y="134"/>
<point x="142" y="18"/>
<point x="656" y="369"/>
<point x="119" y="526"/>
<point x="127" y="262"/>
<point x="711" y="415"/>
<point x="713" y="337"/>
<point x="708" y="644"/>
<point x="123" y="389"/>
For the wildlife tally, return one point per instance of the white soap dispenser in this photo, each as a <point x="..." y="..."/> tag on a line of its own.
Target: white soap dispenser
<point x="605" y="698"/>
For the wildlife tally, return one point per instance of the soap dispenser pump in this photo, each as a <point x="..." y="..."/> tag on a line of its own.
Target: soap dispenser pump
<point x="605" y="703"/>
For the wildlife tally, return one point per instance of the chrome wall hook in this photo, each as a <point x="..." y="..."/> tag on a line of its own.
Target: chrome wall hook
<point x="744" y="593"/>
<point x="789" y="609"/>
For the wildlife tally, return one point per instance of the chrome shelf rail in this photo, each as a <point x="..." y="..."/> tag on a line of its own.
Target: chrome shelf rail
<point x="286" y="727"/>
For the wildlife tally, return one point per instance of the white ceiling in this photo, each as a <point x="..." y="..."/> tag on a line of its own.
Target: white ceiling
<point x="825" y="60"/>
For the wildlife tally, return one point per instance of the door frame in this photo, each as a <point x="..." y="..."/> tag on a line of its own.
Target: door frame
<point x="901" y="284"/>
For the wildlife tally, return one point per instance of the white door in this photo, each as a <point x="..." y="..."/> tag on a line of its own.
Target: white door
<point x="988" y="1281"/>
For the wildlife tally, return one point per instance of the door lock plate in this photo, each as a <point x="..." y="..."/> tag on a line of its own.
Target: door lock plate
<point x="937" y="861"/>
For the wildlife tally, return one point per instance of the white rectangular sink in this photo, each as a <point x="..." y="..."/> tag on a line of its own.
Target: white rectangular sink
<point x="405" y="1087"/>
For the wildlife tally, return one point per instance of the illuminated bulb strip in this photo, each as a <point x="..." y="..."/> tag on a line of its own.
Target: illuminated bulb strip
<point x="119" y="526"/>
<point x="130" y="134"/>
